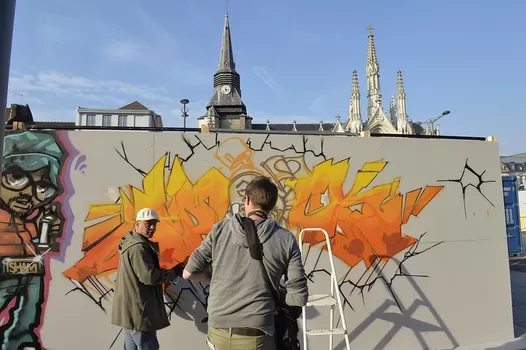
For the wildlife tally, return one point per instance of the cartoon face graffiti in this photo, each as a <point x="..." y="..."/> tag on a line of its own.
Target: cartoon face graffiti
<point x="24" y="191"/>
<point x="30" y="222"/>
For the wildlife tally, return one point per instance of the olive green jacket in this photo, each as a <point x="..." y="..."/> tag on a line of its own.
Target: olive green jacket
<point x="138" y="302"/>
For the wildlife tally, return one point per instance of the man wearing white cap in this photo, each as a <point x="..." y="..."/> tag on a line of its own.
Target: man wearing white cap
<point x="138" y="303"/>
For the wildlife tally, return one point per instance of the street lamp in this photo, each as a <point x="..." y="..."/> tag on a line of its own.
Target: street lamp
<point x="431" y="122"/>
<point x="184" y="111"/>
<point x="434" y="129"/>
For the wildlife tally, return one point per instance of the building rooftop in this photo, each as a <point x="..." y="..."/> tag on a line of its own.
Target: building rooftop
<point x="135" y="105"/>
<point x="514" y="158"/>
<point x="299" y="127"/>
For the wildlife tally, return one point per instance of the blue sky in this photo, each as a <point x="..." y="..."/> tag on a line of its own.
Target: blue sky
<point x="295" y="58"/>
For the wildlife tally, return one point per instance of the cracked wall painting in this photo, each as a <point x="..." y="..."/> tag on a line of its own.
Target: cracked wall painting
<point x="364" y="222"/>
<point x="32" y="222"/>
<point x="473" y="179"/>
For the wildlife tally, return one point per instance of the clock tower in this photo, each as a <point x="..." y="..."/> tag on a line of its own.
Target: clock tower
<point x="226" y="109"/>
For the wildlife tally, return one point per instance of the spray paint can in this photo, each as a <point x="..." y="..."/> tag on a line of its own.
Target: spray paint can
<point x="44" y="231"/>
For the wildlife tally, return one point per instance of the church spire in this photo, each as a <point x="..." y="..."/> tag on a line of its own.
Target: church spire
<point x="374" y="96"/>
<point x="403" y="124"/>
<point x="402" y="112"/>
<point x="229" y="109"/>
<point x="227" y="83"/>
<point x="354" y="105"/>
<point x="226" y="71"/>
<point x="371" y="48"/>
<point x="226" y="58"/>
<point x="354" y="124"/>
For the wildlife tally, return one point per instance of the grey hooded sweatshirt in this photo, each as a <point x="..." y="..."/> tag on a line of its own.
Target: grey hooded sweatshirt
<point x="239" y="295"/>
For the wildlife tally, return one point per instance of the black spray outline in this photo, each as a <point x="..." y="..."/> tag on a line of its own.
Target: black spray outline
<point x="464" y="187"/>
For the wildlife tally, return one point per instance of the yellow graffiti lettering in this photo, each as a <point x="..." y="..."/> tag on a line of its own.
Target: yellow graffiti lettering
<point x="187" y="212"/>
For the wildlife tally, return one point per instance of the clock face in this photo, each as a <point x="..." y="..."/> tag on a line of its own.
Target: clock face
<point x="225" y="89"/>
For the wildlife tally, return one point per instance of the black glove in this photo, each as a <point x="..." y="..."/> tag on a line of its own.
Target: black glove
<point x="178" y="269"/>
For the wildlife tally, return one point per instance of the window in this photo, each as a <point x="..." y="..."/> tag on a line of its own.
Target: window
<point x="123" y="120"/>
<point x="106" y="120"/>
<point x="90" y="120"/>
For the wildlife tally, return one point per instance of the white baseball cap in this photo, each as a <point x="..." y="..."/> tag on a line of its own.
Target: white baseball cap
<point x="146" y="214"/>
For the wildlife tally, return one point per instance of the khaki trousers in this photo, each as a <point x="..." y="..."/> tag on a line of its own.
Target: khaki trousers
<point x="219" y="339"/>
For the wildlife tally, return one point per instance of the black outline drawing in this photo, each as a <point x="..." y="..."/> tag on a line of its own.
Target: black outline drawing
<point x="465" y="186"/>
<point x="411" y="252"/>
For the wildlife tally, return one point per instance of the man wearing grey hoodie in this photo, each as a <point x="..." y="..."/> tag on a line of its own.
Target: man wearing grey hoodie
<point x="241" y="306"/>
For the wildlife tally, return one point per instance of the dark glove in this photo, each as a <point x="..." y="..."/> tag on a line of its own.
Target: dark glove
<point x="178" y="269"/>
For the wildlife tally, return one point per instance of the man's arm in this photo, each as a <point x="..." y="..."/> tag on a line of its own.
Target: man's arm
<point x="297" y="290"/>
<point x="143" y="265"/>
<point x="205" y="276"/>
<point x="197" y="267"/>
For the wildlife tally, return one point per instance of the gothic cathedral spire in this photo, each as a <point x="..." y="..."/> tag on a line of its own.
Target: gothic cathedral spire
<point x="354" y="124"/>
<point x="372" y="69"/>
<point x="403" y="124"/>
<point x="377" y="120"/>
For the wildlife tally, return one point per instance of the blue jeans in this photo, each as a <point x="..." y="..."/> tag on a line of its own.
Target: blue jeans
<point x="136" y="340"/>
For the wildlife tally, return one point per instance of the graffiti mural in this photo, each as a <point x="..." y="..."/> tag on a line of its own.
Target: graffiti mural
<point x="384" y="212"/>
<point x="31" y="222"/>
<point x="365" y="221"/>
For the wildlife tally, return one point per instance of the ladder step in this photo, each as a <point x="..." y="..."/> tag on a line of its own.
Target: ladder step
<point x="326" y="331"/>
<point x="321" y="300"/>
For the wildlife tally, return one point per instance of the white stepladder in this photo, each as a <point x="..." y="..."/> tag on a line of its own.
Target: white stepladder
<point x="325" y="300"/>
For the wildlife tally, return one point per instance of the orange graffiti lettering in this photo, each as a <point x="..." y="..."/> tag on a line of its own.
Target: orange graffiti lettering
<point x="187" y="212"/>
<point x="364" y="224"/>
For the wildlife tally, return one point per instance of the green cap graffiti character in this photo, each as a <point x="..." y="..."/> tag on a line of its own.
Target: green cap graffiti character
<point x="32" y="151"/>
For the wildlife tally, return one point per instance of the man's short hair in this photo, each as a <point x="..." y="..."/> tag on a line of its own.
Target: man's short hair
<point x="262" y="193"/>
